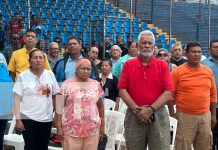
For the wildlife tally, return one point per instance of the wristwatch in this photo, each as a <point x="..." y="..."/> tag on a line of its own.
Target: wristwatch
<point x="152" y="107"/>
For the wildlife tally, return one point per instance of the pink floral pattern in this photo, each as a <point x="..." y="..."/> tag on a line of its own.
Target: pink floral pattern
<point x="81" y="116"/>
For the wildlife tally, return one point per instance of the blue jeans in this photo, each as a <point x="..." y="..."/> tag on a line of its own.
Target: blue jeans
<point x="3" y="124"/>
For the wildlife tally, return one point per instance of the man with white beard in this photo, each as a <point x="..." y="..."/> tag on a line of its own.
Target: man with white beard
<point x="145" y="86"/>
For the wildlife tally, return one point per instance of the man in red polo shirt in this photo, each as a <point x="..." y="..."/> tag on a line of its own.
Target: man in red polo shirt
<point x="145" y="85"/>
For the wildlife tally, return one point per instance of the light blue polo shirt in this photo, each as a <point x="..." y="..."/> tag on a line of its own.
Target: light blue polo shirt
<point x="213" y="65"/>
<point x="70" y="70"/>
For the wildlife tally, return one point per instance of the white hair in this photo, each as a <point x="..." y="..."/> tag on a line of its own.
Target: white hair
<point x="53" y="43"/>
<point x="180" y="46"/>
<point x="146" y="32"/>
<point x="117" y="48"/>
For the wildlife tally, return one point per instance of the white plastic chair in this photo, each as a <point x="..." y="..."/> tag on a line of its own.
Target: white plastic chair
<point x="54" y="148"/>
<point x="123" y="108"/>
<point x="120" y="139"/>
<point x="109" y="104"/>
<point x="113" y="120"/>
<point x="173" y="127"/>
<point x="14" y="139"/>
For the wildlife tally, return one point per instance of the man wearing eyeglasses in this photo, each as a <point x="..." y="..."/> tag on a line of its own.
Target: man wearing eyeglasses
<point x="14" y="45"/>
<point x="145" y="86"/>
<point x="53" y="54"/>
<point x="93" y="56"/>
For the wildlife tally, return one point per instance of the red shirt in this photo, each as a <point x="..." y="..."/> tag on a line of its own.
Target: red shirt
<point x="145" y="83"/>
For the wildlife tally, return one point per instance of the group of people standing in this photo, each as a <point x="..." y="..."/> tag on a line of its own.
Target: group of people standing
<point x="71" y="94"/>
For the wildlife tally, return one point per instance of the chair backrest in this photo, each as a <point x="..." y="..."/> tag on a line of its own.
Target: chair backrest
<point x="12" y="126"/>
<point x="123" y="108"/>
<point x="109" y="104"/>
<point x="173" y="127"/>
<point x="113" y="120"/>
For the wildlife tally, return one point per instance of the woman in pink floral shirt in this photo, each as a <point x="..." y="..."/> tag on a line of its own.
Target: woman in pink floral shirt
<point x="82" y="123"/>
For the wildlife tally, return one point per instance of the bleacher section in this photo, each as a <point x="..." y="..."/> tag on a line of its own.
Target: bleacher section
<point x="81" y="18"/>
<point x="190" y="21"/>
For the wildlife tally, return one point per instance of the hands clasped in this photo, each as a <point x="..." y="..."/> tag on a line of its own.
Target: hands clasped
<point x="144" y="115"/>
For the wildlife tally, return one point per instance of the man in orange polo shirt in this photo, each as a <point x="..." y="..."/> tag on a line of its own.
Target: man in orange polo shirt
<point x="195" y="95"/>
<point x="145" y="86"/>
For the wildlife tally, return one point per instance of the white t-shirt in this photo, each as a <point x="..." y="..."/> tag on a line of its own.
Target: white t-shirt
<point x="36" y="93"/>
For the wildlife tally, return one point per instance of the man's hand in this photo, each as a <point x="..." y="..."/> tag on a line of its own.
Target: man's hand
<point x="144" y="115"/>
<point x="213" y="121"/>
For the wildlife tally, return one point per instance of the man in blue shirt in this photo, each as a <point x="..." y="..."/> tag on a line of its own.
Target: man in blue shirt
<point x="212" y="63"/>
<point x="65" y="68"/>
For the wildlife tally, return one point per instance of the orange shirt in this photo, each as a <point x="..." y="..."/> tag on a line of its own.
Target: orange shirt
<point x="194" y="89"/>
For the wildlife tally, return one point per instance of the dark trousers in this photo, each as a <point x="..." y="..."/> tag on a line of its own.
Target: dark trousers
<point x="3" y="124"/>
<point x="215" y="134"/>
<point x="36" y="134"/>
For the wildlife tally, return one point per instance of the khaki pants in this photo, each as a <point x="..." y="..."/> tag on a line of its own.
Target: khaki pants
<point x="156" y="135"/>
<point x="193" y="129"/>
<point x="72" y="143"/>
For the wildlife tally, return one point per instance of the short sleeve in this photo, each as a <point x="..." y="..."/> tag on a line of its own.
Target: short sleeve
<point x="62" y="90"/>
<point x="18" y="86"/>
<point x="47" y="66"/>
<point x="11" y="65"/>
<point x="124" y="78"/>
<point x="100" y="90"/>
<point x="55" y="87"/>
<point x="3" y="60"/>
<point x="167" y="80"/>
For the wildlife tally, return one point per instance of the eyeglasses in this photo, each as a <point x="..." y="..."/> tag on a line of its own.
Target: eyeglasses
<point x="94" y="52"/>
<point x="54" y="48"/>
<point x="115" y="50"/>
<point x="58" y="41"/>
<point x="162" y="54"/>
<point x="15" y="38"/>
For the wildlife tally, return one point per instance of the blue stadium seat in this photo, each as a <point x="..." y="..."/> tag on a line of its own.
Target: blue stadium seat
<point x="118" y="24"/>
<point x="136" y="20"/>
<point x="123" y="15"/>
<point x="144" y="26"/>
<point x="80" y="29"/>
<point x="127" y="30"/>
<point x="118" y="30"/>
<point x="172" y="42"/>
<point x="109" y="23"/>
<point x="59" y="29"/>
<point x="127" y="24"/>
<point x="153" y="30"/>
<point x="162" y="37"/>
<point x="135" y="30"/>
<point x="109" y="30"/>
<point x="69" y="28"/>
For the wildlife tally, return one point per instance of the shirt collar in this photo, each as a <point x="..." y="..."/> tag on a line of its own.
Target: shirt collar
<point x="212" y="59"/>
<point x="114" y="61"/>
<point x="110" y="76"/>
<point x="69" y="59"/>
<point x="140" y="64"/>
